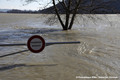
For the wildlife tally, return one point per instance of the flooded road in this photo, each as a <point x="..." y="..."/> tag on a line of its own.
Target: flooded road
<point x="98" y="54"/>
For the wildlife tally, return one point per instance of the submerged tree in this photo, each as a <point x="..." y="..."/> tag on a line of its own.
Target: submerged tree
<point x="71" y="7"/>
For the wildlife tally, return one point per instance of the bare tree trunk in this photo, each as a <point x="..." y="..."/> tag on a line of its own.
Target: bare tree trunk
<point x="67" y="20"/>
<point x="72" y="21"/>
<point x="58" y="15"/>
<point x="74" y="14"/>
<point x="68" y="14"/>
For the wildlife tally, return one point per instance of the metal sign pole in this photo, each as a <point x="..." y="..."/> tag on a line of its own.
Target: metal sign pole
<point x="35" y="44"/>
<point x="2" y="45"/>
<point x="47" y="43"/>
<point x="52" y="43"/>
<point x="13" y="53"/>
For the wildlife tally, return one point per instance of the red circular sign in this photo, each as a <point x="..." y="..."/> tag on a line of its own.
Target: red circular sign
<point x="36" y="44"/>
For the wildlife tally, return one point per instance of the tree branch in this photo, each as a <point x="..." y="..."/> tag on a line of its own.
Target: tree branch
<point x="58" y="15"/>
<point x="74" y="14"/>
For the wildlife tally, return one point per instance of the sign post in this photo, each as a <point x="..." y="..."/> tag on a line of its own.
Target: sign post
<point x="35" y="44"/>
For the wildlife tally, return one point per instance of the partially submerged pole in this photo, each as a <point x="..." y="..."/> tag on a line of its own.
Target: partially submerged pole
<point x="35" y="44"/>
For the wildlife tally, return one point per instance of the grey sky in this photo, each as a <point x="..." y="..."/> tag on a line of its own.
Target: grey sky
<point x="19" y="4"/>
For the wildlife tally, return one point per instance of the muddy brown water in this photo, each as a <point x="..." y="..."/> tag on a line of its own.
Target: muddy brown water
<point x="98" y="54"/>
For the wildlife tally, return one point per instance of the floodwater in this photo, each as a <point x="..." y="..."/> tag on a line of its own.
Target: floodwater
<point x="97" y="55"/>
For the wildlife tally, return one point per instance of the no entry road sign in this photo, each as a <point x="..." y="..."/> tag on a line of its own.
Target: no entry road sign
<point x="36" y="44"/>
